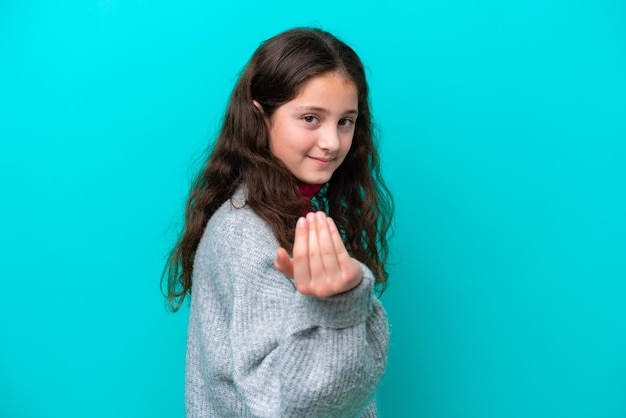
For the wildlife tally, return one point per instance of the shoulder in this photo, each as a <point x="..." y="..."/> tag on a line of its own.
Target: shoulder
<point x="235" y="222"/>
<point x="238" y="246"/>
<point x="235" y="231"/>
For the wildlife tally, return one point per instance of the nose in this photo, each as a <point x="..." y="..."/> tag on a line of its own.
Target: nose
<point x="329" y="140"/>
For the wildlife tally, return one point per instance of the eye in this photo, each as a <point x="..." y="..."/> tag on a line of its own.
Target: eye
<point x="310" y="119"/>
<point x="346" y="122"/>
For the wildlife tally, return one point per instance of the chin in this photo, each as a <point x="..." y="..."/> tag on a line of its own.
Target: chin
<point x="314" y="181"/>
<point x="315" y="178"/>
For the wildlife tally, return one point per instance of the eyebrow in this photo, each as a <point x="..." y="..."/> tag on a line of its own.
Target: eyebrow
<point x="325" y="111"/>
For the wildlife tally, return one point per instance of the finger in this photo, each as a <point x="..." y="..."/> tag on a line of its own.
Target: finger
<point x="345" y="261"/>
<point x="351" y="269"/>
<point x="301" y="272"/>
<point x="316" y="266"/>
<point x="283" y="263"/>
<point x="327" y="247"/>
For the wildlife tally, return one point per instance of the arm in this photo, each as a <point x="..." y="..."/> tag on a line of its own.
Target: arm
<point x="335" y="351"/>
<point x="301" y="355"/>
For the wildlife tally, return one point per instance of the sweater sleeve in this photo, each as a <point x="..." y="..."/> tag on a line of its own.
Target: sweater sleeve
<point x="295" y="355"/>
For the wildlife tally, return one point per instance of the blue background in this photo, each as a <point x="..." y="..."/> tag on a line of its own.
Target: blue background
<point x="503" y="140"/>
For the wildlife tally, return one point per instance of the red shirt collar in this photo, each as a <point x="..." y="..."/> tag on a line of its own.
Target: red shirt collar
<point x="309" y="190"/>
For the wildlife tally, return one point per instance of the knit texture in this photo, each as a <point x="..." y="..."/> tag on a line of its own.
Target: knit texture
<point x="256" y="347"/>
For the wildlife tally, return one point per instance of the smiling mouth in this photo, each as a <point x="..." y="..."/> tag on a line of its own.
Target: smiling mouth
<point x="321" y="160"/>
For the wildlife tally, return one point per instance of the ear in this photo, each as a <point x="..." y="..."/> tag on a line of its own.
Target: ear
<point x="258" y="106"/>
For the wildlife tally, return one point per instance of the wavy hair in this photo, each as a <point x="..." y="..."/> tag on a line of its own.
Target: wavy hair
<point x="355" y="197"/>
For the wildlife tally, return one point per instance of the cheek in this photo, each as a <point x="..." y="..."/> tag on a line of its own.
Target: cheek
<point x="282" y="135"/>
<point x="346" y="143"/>
<point x="279" y="139"/>
<point x="287" y="143"/>
<point x="300" y="140"/>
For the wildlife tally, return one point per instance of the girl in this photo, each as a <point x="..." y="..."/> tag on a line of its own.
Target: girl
<point x="283" y="322"/>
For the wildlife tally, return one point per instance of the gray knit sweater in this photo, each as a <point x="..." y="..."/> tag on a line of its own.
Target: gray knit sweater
<point x="258" y="348"/>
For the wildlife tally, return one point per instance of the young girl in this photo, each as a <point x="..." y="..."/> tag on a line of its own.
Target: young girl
<point x="285" y="238"/>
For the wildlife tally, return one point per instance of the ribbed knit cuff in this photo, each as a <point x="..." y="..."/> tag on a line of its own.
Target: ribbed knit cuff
<point x="340" y="311"/>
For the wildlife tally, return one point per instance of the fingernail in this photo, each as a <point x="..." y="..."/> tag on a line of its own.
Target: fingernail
<point x="310" y="216"/>
<point x="301" y="222"/>
<point x="320" y="215"/>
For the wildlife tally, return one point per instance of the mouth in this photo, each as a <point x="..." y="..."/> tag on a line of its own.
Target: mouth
<point x="321" y="160"/>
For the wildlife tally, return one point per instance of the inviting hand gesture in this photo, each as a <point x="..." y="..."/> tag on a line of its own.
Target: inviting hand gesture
<point x="321" y="265"/>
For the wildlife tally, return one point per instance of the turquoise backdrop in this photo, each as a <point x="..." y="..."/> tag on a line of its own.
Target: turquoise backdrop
<point x="503" y="139"/>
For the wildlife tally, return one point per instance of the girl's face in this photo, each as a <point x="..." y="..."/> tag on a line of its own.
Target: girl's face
<point x="312" y="133"/>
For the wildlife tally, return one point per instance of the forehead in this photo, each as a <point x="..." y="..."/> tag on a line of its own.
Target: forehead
<point x="333" y="90"/>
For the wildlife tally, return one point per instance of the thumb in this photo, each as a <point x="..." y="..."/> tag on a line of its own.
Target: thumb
<point x="283" y="263"/>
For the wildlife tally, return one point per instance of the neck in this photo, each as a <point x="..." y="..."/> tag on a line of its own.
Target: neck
<point x="309" y="190"/>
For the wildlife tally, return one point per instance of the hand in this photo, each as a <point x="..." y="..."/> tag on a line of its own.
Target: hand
<point x="321" y="265"/>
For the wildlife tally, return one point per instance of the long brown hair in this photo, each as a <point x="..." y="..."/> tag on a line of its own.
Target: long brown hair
<point x="355" y="197"/>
